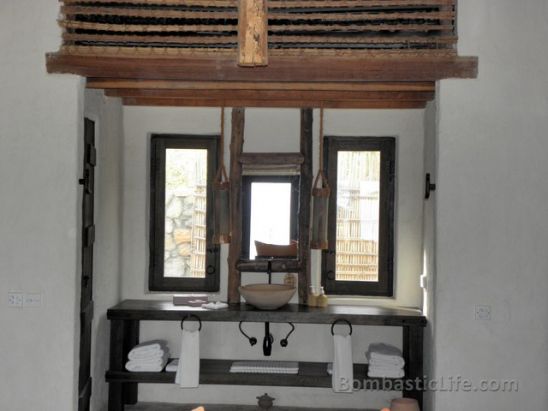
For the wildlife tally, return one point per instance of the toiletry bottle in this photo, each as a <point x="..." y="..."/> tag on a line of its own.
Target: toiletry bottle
<point x="322" y="300"/>
<point x="312" y="298"/>
<point x="289" y="280"/>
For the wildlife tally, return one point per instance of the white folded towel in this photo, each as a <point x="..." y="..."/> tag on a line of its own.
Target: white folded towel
<point x="218" y="305"/>
<point x="145" y="356"/>
<point x="385" y="372"/>
<point x="155" y="365"/>
<point x="343" y="369"/>
<point x="395" y="362"/>
<point x="188" y="371"/>
<point x="173" y="365"/>
<point x="386" y="354"/>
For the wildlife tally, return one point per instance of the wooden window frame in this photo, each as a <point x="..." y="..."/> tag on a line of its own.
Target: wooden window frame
<point x="157" y="281"/>
<point x="294" y="180"/>
<point x="384" y="287"/>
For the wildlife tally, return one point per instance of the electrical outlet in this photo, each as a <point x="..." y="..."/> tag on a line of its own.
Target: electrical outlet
<point x="483" y="312"/>
<point x="33" y="300"/>
<point x="16" y="299"/>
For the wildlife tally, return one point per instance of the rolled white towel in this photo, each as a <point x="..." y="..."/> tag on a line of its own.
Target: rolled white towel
<point x="150" y="349"/>
<point x="385" y="372"/>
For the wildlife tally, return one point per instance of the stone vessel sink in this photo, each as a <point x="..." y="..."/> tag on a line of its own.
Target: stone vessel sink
<point x="267" y="296"/>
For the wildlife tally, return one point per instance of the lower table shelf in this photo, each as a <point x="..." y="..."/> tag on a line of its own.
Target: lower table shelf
<point x="149" y="406"/>
<point x="311" y="374"/>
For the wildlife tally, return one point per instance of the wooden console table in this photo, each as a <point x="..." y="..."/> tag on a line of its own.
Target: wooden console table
<point x="126" y="317"/>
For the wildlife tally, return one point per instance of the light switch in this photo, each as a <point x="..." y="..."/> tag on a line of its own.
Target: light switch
<point x="33" y="300"/>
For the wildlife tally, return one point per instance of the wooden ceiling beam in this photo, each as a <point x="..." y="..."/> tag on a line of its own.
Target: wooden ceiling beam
<point x="280" y="69"/>
<point x="297" y="95"/>
<point x="114" y="83"/>
<point x="338" y="104"/>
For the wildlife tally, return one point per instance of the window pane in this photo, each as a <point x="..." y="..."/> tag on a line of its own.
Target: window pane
<point x="270" y="214"/>
<point x="185" y="213"/>
<point x="358" y="192"/>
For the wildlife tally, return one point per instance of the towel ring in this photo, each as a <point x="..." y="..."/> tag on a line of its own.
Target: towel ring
<point x="189" y="316"/>
<point x="340" y="320"/>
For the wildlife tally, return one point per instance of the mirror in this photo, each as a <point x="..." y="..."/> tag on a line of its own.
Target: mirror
<point x="270" y="206"/>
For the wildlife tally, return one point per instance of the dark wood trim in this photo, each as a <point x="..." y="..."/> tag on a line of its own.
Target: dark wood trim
<point x="86" y="274"/>
<point x="236" y="148"/>
<point x="413" y="339"/>
<point x="157" y="280"/>
<point x="306" y="137"/>
<point x="247" y="181"/>
<point x="288" y="69"/>
<point x="271" y="159"/>
<point x="385" y="284"/>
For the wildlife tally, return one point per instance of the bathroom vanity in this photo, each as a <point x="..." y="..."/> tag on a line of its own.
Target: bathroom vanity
<point x="125" y="320"/>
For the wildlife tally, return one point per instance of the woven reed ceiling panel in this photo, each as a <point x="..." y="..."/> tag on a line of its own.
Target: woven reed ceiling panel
<point x="264" y="53"/>
<point x="175" y="28"/>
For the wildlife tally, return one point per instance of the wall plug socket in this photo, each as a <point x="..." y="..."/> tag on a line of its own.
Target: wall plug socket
<point x="16" y="299"/>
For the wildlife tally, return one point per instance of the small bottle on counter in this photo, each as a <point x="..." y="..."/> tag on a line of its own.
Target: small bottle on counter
<point x="322" y="300"/>
<point x="289" y="280"/>
<point x="312" y="297"/>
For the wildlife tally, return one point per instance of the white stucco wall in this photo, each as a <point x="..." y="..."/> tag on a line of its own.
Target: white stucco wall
<point x="107" y="114"/>
<point x="492" y="208"/>
<point x="40" y="137"/>
<point x="272" y="131"/>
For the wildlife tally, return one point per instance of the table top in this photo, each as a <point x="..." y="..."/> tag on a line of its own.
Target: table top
<point x="154" y="310"/>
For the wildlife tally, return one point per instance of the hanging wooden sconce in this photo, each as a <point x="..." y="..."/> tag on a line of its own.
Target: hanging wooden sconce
<point x="221" y="188"/>
<point x="320" y="202"/>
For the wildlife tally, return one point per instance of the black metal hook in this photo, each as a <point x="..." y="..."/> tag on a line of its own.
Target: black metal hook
<point x="267" y="340"/>
<point x="252" y="340"/>
<point x="340" y="320"/>
<point x="428" y="186"/>
<point x="285" y="341"/>
<point x="189" y="316"/>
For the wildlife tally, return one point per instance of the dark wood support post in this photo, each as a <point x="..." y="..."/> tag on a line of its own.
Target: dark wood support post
<point x="131" y="339"/>
<point x="115" y="390"/>
<point x="236" y="148"/>
<point x="413" y="354"/>
<point x="304" y="203"/>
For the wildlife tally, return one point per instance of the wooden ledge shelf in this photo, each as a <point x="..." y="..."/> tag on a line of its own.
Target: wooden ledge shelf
<point x="217" y="372"/>
<point x="278" y="265"/>
<point x="150" y="310"/>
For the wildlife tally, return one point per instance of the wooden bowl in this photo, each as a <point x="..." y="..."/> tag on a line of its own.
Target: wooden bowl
<point x="274" y="250"/>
